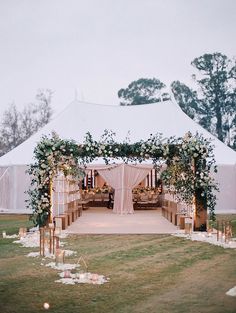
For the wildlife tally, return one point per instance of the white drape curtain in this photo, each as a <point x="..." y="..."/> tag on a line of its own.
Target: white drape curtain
<point x="123" y="178"/>
<point x="14" y="182"/>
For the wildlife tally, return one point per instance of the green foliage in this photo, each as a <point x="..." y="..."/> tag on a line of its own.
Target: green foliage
<point x="141" y="91"/>
<point x="189" y="172"/>
<point x="51" y="155"/>
<point x="186" y="98"/>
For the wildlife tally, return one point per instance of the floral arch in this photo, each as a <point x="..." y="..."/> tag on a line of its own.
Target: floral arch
<point x="189" y="163"/>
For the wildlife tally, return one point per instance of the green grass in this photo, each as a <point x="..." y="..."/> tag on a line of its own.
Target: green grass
<point x="11" y="223"/>
<point x="148" y="273"/>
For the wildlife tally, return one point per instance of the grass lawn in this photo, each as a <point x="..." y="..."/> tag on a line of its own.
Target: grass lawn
<point x="148" y="273"/>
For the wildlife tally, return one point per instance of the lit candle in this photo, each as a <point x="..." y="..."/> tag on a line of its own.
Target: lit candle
<point x="22" y="232"/>
<point x="46" y="306"/>
<point x="57" y="231"/>
<point x="82" y="276"/>
<point x="60" y="256"/>
<point x="4" y="234"/>
<point x="94" y="278"/>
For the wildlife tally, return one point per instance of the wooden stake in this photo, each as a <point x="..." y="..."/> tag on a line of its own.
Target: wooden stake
<point x="51" y="202"/>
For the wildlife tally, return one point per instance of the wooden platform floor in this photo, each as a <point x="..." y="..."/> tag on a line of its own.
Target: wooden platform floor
<point x="100" y="220"/>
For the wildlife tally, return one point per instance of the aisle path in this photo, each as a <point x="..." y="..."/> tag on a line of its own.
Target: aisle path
<point x="104" y="221"/>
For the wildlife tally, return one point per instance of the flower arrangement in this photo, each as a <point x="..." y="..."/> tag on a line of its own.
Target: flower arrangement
<point x="189" y="172"/>
<point x="51" y="155"/>
<point x="189" y="161"/>
<point x="145" y="189"/>
<point x="97" y="190"/>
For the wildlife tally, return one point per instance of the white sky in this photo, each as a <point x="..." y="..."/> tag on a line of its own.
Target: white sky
<point x="100" y="46"/>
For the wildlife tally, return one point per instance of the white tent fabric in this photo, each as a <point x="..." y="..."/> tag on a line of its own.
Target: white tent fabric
<point x="136" y="122"/>
<point x="13" y="184"/>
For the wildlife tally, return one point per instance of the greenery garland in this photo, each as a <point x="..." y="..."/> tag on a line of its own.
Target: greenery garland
<point x="189" y="162"/>
<point x="51" y="155"/>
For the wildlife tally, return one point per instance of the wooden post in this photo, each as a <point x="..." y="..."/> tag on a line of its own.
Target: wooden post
<point x="218" y="235"/>
<point x="51" y="202"/>
<point x="194" y="199"/>
<point x="194" y="212"/>
<point x="199" y="207"/>
<point x="155" y="178"/>
<point x="87" y="181"/>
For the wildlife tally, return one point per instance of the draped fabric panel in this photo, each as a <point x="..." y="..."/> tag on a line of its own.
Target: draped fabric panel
<point x="113" y="176"/>
<point x="123" y="178"/>
<point x="132" y="176"/>
<point x="14" y="182"/>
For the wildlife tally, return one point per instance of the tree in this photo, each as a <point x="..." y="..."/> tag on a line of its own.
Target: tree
<point x="214" y="104"/>
<point x="191" y="105"/>
<point x="186" y="98"/>
<point x="17" y="126"/>
<point x="36" y="115"/>
<point x="44" y="109"/>
<point x="10" y="128"/>
<point x="141" y="91"/>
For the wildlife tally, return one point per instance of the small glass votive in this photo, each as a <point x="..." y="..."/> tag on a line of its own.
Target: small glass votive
<point x="82" y="276"/>
<point x="67" y="274"/>
<point x="22" y="232"/>
<point x="60" y="256"/>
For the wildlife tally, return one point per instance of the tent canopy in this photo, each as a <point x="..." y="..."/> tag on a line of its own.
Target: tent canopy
<point x="137" y="122"/>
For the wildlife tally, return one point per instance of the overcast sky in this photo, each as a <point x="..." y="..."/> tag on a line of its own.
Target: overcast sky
<point x="100" y="46"/>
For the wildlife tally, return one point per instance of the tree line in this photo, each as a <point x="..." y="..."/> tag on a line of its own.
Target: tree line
<point x="17" y="126"/>
<point x="212" y="103"/>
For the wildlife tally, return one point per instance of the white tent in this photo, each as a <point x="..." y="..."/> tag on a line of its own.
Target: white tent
<point x="136" y="122"/>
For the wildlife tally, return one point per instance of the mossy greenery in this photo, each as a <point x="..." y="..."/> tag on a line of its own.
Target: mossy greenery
<point x="189" y="162"/>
